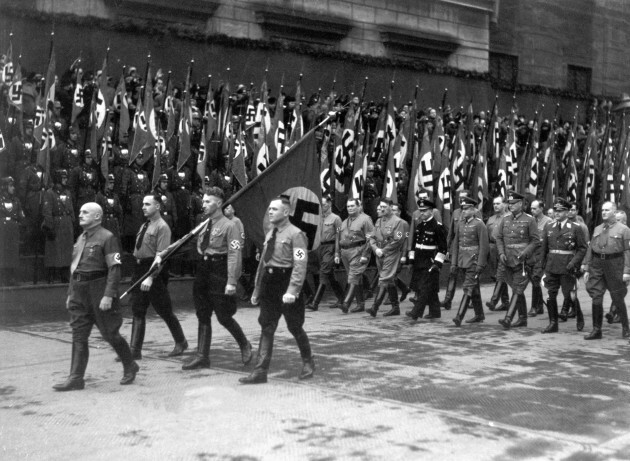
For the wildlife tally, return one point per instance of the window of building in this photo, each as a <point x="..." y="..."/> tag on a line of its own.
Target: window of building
<point x="504" y="68"/>
<point x="579" y="79"/>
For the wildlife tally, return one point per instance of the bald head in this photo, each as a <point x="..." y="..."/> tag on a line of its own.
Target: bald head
<point x="90" y="215"/>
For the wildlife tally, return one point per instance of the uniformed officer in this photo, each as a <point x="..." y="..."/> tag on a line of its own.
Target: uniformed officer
<point x="84" y="180"/>
<point x="607" y="267"/>
<point x="517" y="241"/>
<point x="562" y="250"/>
<point x="387" y="242"/>
<point x="404" y="289"/>
<point x="153" y="237"/>
<point x="470" y="254"/>
<point x="168" y="210"/>
<point x="328" y="248"/>
<point x="427" y="252"/>
<point x="355" y="252"/>
<point x="11" y="215"/>
<point x="497" y="268"/>
<point x="567" y="313"/>
<point x="135" y="184"/>
<point x="453" y="275"/>
<point x="93" y="297"/>
<point x="538" y="212"/>
<point x="58" y="225"/>
<point x="110" y="203"/>
<point x="279" y="280"/>
<point x="220" y="245"/>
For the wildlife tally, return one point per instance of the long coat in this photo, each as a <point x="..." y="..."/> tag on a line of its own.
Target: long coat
<point x="58" y="222"/>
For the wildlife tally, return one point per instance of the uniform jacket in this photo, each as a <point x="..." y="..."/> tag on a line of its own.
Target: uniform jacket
<point x="618" y="241"/>
<point x="389" y="236"/>
<point x="470" y="245"/>
<point x="427" y="242"/>
<point x="225" y="239"/>
<point x="557" y="240"/>
<point x="518" y="235"/>
<point x="356" y="230"/>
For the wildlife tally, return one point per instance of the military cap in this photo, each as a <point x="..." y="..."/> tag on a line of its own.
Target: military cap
<point x="562" y="204"/>
<point x="468" y="201"/>
<point x="424" y="203"/>
<point x="206" y="179"/>
<point x="28" y="122"/>
<point x="111" y="177"/>
<point x="6" y="182"/>
<point x="514" y="197"/>
<point x="163" y="177"/>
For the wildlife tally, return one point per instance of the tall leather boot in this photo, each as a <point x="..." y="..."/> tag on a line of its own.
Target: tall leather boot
<point x="265" y="349"/>
<point x="359" y="298"/>
<point x="475" y="299"/>
<point x="496" y="296"/>
<point x="404" y="289"/>
<point x="349" y="297"/>
<point x="313" y="306"/>
<point x="130" y="367"/>
<point x="623" y="315"/>
<point x="610" y="316"/>
<point x="304" y="345"/>
<point x="537" y="305"/>
<point x="564" y="312"/>
<point x="336" y="288"/>
<point x="137" y="337"/>
<point x="202" y="358"/>
<point x="507" y="321"/>
<point x="461" y="312"/>
<point x="450" y="291"/>
<point x="378" y="300"/>
<point x="393" y="299"/>
<point x="552" y="308"/>
<point x="419" y="304"/>
<point x="598" y="318"/>
<point x="80" y="356"/>
<point x="522" y="312"/>
<point x="579" y="324"/>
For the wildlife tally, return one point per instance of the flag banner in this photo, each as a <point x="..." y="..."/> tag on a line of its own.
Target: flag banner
<point x="15" y="90"/>
<point x="379" y="140"/>
<point x="571" y="181"/>
<point x="202" y="156"/>
<point x="238" y="163"/>
<point x="444" y="196"/>
<point x="139" y="132"/>
<point x="480" y="181"/>
<point x="77" y="99"/>
<point x="358" y="179"/>
<point x="121" y="106"/>
<point x="343" y="155"/>
<point x="3" y="144"/>
<point x="438" y="148"/>
<point x="459" y="156"/>
<point x="425" y="171"/>
<point x="185" y="128"/>
<point x="149" y="113"/>
<point x="390" y="186"/>
<point x="290" y="175"/>
<point x="550" y="190"/>
<point x="502" y="183"/>
<point x="588" y="190"/>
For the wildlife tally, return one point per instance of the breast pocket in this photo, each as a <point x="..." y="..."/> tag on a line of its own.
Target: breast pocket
<point x="94" y="252"/>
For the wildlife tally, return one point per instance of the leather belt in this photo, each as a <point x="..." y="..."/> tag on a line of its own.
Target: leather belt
<point x="562" y="252"/>
<point x="475" y="248"/>
<point x="329" y="242"/>
<point x="88" y="276"/>
<point x="279" y="270"/>
<point x="420" y="246"/>
<point x="607" y="255"/>
<point x="215" y="257"/>
<point x="516" y="245"/>
<point x="346" y="246"/>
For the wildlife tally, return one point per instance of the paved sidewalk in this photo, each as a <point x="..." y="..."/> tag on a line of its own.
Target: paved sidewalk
<point x="384" y="388"/>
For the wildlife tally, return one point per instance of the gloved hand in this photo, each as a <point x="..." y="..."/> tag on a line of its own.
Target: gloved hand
<point x="503" y="258"/>
<point x="411" y="255"/>
<point x="435" y="267"/>
<point x="571" y="267"/>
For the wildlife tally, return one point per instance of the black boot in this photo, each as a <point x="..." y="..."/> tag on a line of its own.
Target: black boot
<point x="130" y="367"/>
<point x="259" y="374"/>
<point x="80" y="356"/>
<point x="336" y="289"/>
<point x="461" y="312"/>
<point x="314" y="305"/>
<point x="598" y="318"/>
<point x="202" y="358"/>
<point x="178" y="349"/>
<point x="393" y="299"/>
<point x="623" y="315"/>
<point x="496" y="296"/>
<point x="404" y="289"/>
<point x="345" y="305"/>
<point x="537" y="305"/>
<point x="137" y="337"/>
<point x="507" y="321"/>
<point x="552" y="309"/>
<point x="418" y="308"/>
<point x="378" y="300"/>
<point x="477" y="306"/>
<point x="304" y="345"/>
<point x="450" y="291"/>
<point x="564" y="313"/>
<point x="522" y="313"/>
<point x="610" y="316"/>
<point x="579" y="324"/>
<point x="308" y="368"/>
<point x="360" y="307"/>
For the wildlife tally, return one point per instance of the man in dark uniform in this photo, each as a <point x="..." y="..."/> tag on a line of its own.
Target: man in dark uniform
<point x="427" y="252"/>
<point x="453" y="275"/>
<point x="538" y="212"/>
<point x="470" y="251"/>
<point x="328" y="248"/>
<point x="214" y="290"/>
<point x="279" y="280"/>
<point x="135" y="184"/>
<point x="607" y="267"/>
<point x="84" y="181"/>
<point x="355" y="253"/>
<point x="517" y="241"/>
<point x="110" y="203"/>
<point x="58" y="225"/>
<point x="562" y="250"/>
<point x="168" y="210"/>
<point x="93" y="298"/>
<point x="153" y="237"/>
<point x="387" y="242"/>
<point x="11" y="217"/>
<point x="500" y="292"/>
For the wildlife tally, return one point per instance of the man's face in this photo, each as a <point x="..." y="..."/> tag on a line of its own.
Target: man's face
<point x="516" y="207"/>
<point x="536" y="209"/>
<point x="150" y="207"/>
<point x="572" y="212"/>
<point x="228" y="211"/>
<point x="352" y="208"/>
<point x="211" y="204"/>
<point x="468" y="211"/>
<point x="560" y="215"/>
<point x="277" y="211"/>
<point x="608" y="213"/>
<point x="163" y="185"/>
<point x="498" y="205"/>
<point x="396" y="210"/>
<point x="88" y="217"/>
<point x="426" y="213"/>
<point x="326" y="205"/>
<point x="383" y="210"/>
